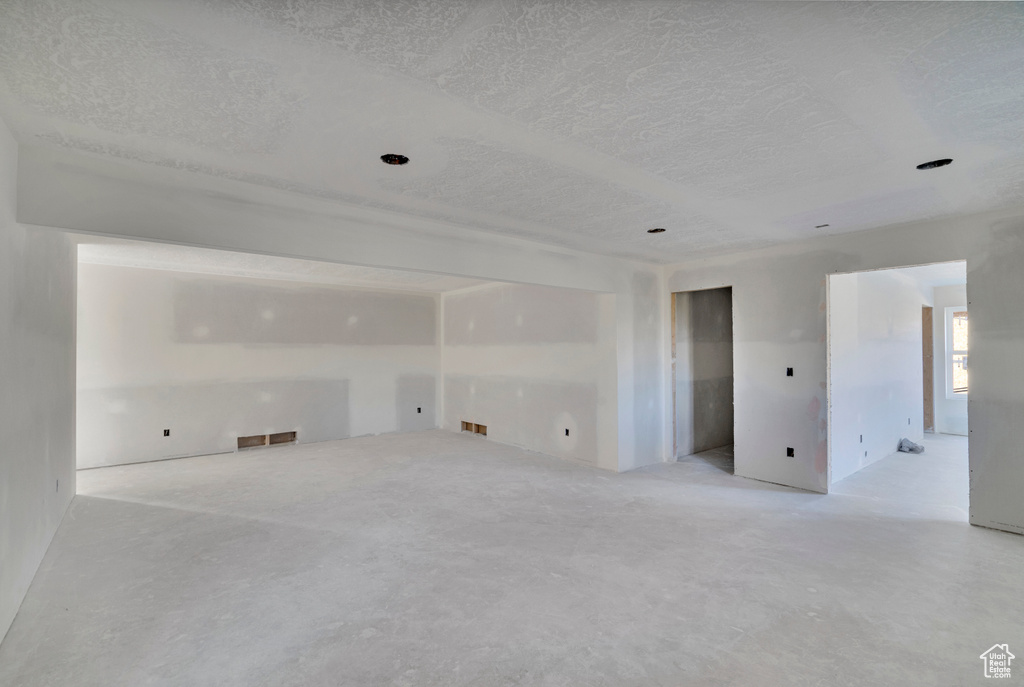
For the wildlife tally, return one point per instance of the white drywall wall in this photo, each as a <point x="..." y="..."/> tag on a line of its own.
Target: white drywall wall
<point x="215" y="358"/>
<point x="875" y="366"/>
<point x="644" y="422"/>
<point x="779" y="315"/>
<point x="531" y="362"/>
<point x="37" y="392"/>
<point x="950" y="413"/>
<point x="85" y="193"/>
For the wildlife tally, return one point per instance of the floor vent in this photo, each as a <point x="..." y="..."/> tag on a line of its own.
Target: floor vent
<point x="267" y="439"/>
<point x="253" y="441"/>
<point x="282" y="438"/>
<point x="474" y="428"/>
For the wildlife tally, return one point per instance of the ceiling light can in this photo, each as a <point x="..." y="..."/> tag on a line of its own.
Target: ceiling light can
<point x="935" y="163"/>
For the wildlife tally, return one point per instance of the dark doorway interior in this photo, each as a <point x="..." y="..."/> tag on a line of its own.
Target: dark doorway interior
<point x="703" y="364"/>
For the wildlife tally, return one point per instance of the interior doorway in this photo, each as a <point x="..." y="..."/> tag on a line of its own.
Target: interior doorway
<point x="702" y="373"/>
<point x="893" y="362"/>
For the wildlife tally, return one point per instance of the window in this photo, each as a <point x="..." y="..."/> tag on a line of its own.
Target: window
<point x="956" y="352"/>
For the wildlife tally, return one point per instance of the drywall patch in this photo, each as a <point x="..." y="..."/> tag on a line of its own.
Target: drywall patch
<point x="821" y="457"/>
<point x="814" y="408"/>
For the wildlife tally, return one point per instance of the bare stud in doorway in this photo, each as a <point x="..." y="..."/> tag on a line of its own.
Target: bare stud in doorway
<point x="790" y="453"/>
<point x="167" y="432"/>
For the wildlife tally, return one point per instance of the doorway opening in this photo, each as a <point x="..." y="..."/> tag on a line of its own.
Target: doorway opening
<point x="702" y="376"/>
<point x="897" y="369"/>
<point x="928" y="366"/>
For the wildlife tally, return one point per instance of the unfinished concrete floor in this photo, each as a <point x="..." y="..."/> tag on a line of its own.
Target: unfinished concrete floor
<point x="443" y="559"/>
<point x="721" y="458"/>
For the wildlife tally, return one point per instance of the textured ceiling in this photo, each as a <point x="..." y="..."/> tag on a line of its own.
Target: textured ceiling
<point x="101" y="251"/>
<point x="579" y="123"/>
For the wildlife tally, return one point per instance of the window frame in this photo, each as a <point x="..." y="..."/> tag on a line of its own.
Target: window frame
<point x="950" y="352"/>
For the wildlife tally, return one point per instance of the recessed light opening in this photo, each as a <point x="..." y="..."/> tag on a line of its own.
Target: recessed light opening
<point x="393" y="159"/>
<point x="656" y="230"/>
<point x="935" y="163"/>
